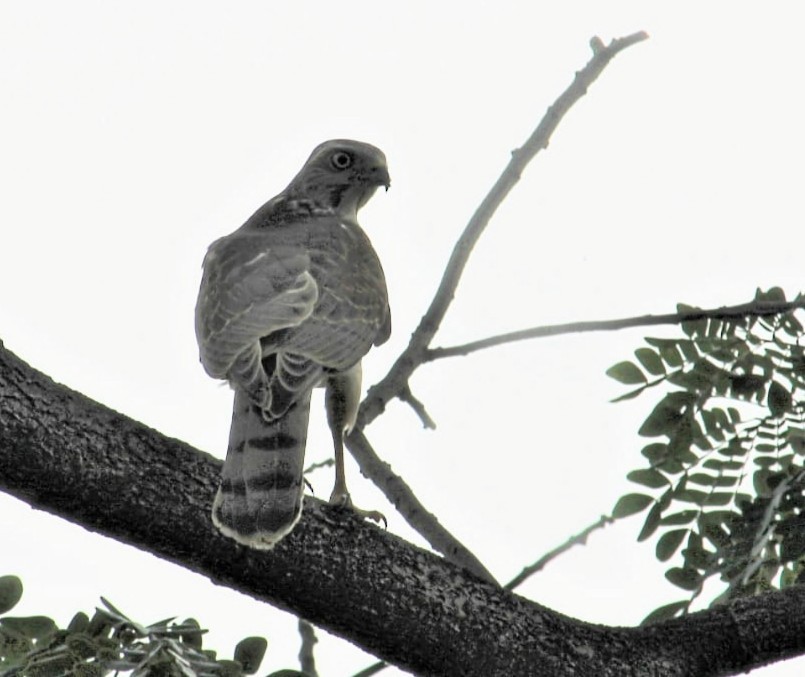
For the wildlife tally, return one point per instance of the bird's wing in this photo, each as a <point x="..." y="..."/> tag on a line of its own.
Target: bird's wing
<point x="250" y="291"/>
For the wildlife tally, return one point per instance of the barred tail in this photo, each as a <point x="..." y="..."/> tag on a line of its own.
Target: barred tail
<point x="260" y="497"/>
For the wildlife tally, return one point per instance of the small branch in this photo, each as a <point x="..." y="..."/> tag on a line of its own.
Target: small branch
<point x="306" y="660"/>
<point x="396" y="380"/>
<point x="401" y="497"/>
<point x="408" y="397"/>
<point x="398" y="376"/>
<point x="326" y="463"/>
<point x="757" y="308"/>
<point x="372" y="669"/>
<point x="579" y="539"/>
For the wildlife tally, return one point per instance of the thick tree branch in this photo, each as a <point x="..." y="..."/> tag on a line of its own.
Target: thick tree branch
<point x="756" y="307"/>
<point x="64" y="453"/>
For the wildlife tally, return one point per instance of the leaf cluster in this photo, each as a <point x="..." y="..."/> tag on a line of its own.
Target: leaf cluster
<point x="110" y="642"/>
<point x="722" y="486"/>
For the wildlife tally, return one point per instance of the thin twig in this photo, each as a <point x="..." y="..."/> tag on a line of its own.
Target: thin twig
<point x="372" y="669"/>
<point x="757" y="308"/>
<point x="401" y="497"/>
<point x="579" y="539"/>
<point x="326" y="463"/>
<point x="393" y="384"/>
<point x="306" y="660"/>
<point x="408" y="397"/>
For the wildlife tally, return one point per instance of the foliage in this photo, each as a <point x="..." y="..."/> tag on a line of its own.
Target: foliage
<point x="34" y="646"/>
<point x="725" y="466"/>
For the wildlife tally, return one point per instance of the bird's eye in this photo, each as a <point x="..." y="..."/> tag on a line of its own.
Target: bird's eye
<point x="341" y="160"/>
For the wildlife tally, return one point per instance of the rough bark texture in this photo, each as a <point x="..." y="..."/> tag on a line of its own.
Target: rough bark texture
<point x="64" y="453"/>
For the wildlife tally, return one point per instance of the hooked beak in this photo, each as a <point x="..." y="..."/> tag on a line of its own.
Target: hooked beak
<point x="379" y="176"/>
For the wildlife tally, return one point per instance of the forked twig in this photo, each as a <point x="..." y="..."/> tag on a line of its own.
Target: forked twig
<point x="394" y="384"/>
<point x="407" y="396"/>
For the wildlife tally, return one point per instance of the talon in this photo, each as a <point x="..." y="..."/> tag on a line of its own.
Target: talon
<point x="342" y="500"/>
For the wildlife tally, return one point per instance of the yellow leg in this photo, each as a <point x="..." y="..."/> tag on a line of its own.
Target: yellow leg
<point x="342" y="399"/>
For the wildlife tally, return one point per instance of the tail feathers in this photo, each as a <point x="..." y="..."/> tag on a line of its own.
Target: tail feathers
<point x="260" y="497"/>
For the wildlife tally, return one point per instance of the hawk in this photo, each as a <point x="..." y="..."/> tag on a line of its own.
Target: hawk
<point x="292" y="300"/>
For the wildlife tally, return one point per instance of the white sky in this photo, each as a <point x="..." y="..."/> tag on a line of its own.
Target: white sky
<point x="132" y="134"/>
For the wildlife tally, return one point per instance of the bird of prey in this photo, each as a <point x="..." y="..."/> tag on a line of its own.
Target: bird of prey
<point x="291" y="300"/>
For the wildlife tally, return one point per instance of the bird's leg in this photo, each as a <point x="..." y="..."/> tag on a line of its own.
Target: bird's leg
<point x="341" y="399"/>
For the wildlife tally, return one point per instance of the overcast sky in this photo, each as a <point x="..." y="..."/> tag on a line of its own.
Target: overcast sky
<point x="132" y="134"/>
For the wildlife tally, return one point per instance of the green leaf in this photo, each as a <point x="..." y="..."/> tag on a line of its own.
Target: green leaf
<point x="689" y="350"/>
<point x="716" y="534"/>
<point x="702" y="478"/>
<point x="691" y="496"/>
<point x="779" y="399"/>
<point x="696" y="557"/>
<point x="32" y="627"/>
<point x="692" y="327"/>
<point x="249" y="653"/>
<point x="79" y="623"/>
<point x="670" y="466"/>
<point x="227" y="668"/>
<point x="192" y="633"/>
<point x="10" y="593"/>
<point x="669" y="543"/>
<point x="655" y="451"/>
<point x="627" y="373"/>
<point x="771" y="295"/>
<point x="647" y="477"/>
<point x="796" y="438"/>
<point x="665" y="612"/>
<point x="681" y="517"/>
<point x="662" y="420"/>
<point x="747" y="385"/>
<point x="651" y="523"/>
<point x="718" y="464"/>
<point x="687" y="579"/>
<point x="718" y="498"/>
<point x="628" y="396"/>
<point x="765" y="448"/>
<point x="650" y="360"/>
<point x="629" y="504"/>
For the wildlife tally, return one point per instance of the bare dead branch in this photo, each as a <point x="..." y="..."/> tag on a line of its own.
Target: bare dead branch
<point x="755" y="307"/>
<point x="396" y="381"/>
<point x="579" y="539"/>
<point x="408" y="397"/>
<point x="401" y="497"/>
<point x="306" y="659"/>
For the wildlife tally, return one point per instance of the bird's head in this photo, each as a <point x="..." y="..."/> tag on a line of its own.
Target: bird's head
<point x="342" y="175"/>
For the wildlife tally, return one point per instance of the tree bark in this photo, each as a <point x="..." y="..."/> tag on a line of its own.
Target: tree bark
<point x="63" y="453"/>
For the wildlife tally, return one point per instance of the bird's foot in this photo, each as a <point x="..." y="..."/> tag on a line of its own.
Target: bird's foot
<point x="342" y="500"/>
